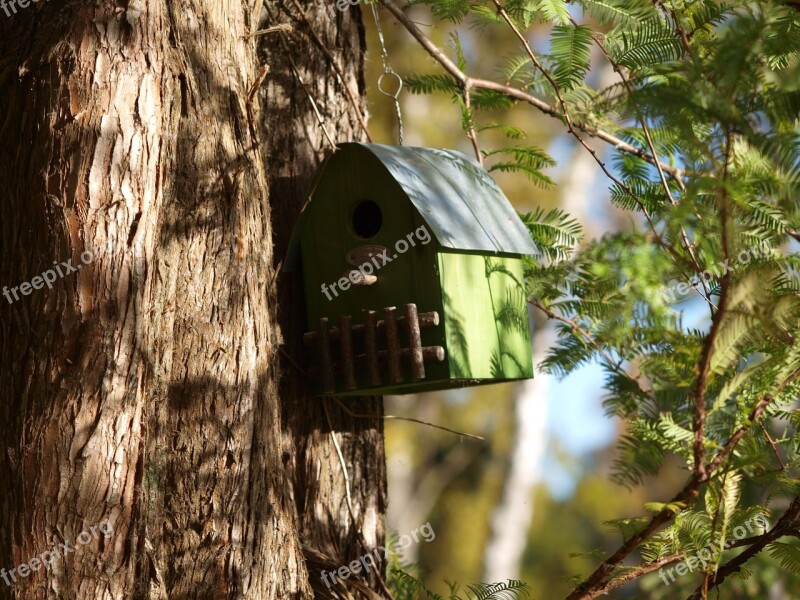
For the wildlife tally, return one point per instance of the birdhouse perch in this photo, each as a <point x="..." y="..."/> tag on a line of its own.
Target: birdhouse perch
<point x="412" y="266"/>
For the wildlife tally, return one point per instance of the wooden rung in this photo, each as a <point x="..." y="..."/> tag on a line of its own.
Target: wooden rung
<point x="328" y="385"/>
<point x="371" y="346"/>
<point x="346" y="347"/>
<point x="414" y="342"/>
<point x="426" y="320"/>
<point x="392" y="344"/>
<point x="429" y="354"/>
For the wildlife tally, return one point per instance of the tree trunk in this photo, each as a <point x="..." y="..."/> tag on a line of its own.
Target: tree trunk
<point x="152" y="420"/>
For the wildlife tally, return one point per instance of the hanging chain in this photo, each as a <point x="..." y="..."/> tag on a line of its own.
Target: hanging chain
<point x="388" y="72"/>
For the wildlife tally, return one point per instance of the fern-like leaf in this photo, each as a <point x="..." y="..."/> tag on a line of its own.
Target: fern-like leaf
<point x="654" y="42"/>
<point x="570" y="54"/>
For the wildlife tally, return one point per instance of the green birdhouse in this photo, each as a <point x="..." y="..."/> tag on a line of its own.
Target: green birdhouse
<point x="411" y="261"/>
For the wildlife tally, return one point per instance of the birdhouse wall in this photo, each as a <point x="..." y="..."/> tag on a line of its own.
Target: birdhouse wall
<point x="328" y="238"/>
<point x="485" y="317"/>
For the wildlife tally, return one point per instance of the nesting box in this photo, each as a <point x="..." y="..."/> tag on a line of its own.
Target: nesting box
<point x="411" y="261"/>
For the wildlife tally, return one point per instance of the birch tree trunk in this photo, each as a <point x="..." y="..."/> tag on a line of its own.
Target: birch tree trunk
<point x="146" y="394"/>
<point x="511" y="518"/>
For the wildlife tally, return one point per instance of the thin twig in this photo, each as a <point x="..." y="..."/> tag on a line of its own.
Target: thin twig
<point x="410" y="419"/>
<point x="471" y="133"/>
<point x="342" y="463"/>
<point x="386" y="417"/>
<point x="773" y="444"/>
<point x="356" y="524"/>
<point x="320" y="119"/>
<point x="293" y="362"/>
<point x="282" y="27"/>
<point x="249" y="103"/>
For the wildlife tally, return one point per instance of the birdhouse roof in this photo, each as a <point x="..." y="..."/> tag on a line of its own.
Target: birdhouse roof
<point x="459" y="201"/>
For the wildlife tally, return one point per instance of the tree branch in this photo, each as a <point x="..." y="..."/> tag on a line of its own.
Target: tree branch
<point x="598" y="580"/>
<point x="699" y="392"/>
<point x="637" y="572"/>
<point x="518" y="94"/>
<point x="785" y="526"/>
<point x="773" y="444"/>
<point x="754" y="415"/>
<point x="593" y="585"/>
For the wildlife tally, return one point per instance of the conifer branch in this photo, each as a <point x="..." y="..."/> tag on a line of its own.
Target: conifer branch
<point x="658" y="164"/>
<point x="786" y="525"/>
<point x="577" y="329"/>
<point x="511" y="92"/>
<point x="594" y="584"/>
<point x="752" y="418"/>
<point x="636" y="572"/>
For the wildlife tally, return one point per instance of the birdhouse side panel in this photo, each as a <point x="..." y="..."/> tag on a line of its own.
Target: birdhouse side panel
<point x="485" y="317"/>
<point x="510" y="305"/>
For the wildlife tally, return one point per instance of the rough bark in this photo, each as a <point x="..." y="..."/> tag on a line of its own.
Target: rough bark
<point x="146" y="390"/>
<point x="311" y="424"/>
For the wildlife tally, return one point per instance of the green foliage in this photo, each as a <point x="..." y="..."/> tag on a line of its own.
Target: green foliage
<point x="527" y="160"/>
<point x="511" y="132"/>
<point x="570" y="46"/>
<point x="788" y="555"/>
<point x="426" y="84"/>
<point x="405" y="586"/>
<point x="449" y="10"/>
<point x="650" y="43"/>
<point x="519" y="69"/>
<point x="554" y="233"/>
<point x="553" y="10"/>
<point x="711" y="92"/>
<point x="619" y="13"/>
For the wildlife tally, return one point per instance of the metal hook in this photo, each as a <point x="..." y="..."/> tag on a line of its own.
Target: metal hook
<point x="399" y="84"/>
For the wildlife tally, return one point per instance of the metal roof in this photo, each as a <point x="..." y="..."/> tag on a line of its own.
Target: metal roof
<point x="461" y="203"/>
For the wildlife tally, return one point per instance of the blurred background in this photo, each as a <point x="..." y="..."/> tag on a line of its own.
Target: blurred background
<point x="524" y="503"/>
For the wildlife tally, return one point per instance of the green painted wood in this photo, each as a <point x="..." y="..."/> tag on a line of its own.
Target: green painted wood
<point x="486" y="318"/>
<point x="328" y="237"/>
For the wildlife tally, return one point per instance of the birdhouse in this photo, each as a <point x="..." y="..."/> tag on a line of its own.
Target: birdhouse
<point x="411" y="261"/>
